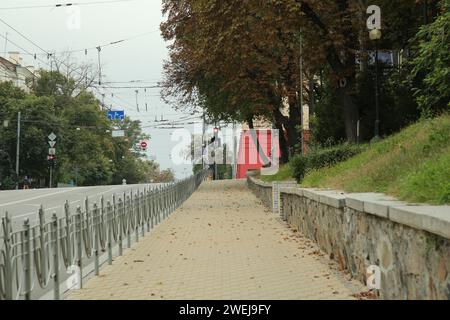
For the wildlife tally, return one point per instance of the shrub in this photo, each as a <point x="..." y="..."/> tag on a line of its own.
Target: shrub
<point x="327" y="157"/>
<point x="320" y="158"/>
<point x="299" y="165"/>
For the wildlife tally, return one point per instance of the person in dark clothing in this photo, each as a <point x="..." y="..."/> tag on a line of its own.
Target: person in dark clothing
<point x="26" y="183"/>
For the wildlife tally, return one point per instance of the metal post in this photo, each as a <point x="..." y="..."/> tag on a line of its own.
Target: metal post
<point x="142" y="213"/>
<point x="377" y="94"/>
<point x="27" y="258"/>
<point x="79" y="230"/>
<point x="152" y="208"/>
<point x="55" y="240"/>
<point x="127" y="216"/>
<point x="68" y="240"/>
<point x="120" y="226"/>
<point x="147" y="209"/>
<point x="159" y="204"/>
<point x="7" y="251"/>
<point x="96" y="239"/>
<point x="42" y="239"/>
<point x="51" y="176"/>
<point x="109" y="226"/>
<point x="136" y="208"/>
<point x="18" y="150"/>
<point x="235" y="152"/>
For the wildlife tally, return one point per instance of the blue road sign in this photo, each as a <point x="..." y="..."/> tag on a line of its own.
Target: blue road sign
<point x="116" y="115"/>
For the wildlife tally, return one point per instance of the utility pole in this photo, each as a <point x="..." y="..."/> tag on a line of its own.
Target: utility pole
<point x="377" y="94"/>
<point x="6" y="45"/>
<point x="99" y="49"/>
<point x="235" y="151"/>
<point x="51" y="177"/>
<point x="301" y="90"/>
<point x="18" y="150"/>
<point x="137" y="101"/>
<point x="203" y="139"/>
<point x="103" y="102"/>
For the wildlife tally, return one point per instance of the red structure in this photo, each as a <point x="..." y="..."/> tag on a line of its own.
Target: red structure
<point x="248" y="156"/>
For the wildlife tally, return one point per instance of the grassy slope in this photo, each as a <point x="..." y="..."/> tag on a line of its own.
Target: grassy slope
<point x="413" y="165"/>
<point x="283" y="174"/>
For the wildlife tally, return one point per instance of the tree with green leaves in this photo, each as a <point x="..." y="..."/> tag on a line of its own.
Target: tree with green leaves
<point x="431" y="64"/>
<point x="87" y="154"/>
<point x="240" y="59"/>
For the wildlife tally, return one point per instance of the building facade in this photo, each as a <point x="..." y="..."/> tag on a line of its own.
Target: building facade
<point x="12" y="70"/>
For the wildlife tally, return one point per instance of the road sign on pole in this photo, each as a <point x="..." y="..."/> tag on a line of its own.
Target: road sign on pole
<point x="116" y="115"/>
<point x="51" y="155"/>
<point x="118" y="133"/>
<point x="52" y="136"/>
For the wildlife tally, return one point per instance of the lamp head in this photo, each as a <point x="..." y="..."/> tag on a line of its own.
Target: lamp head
<point x="375" y="34"/>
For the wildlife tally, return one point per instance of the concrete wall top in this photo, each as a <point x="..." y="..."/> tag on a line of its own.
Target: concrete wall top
<point x="433" y="219"/>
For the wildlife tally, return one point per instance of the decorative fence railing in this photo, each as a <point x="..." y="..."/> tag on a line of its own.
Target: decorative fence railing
<point x="42" y="254"/>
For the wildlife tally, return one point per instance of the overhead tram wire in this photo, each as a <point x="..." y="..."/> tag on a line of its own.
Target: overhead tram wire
<point x="85" y="50"/>
<point x="42" y="49"/>
<point x="137" y="87"/>
<point x="44" y="62"/>
<point x="73" y="69"/>
<point x="59" y="5"/>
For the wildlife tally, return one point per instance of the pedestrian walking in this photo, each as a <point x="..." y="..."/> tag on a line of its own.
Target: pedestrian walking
<point x="26" y="183"/>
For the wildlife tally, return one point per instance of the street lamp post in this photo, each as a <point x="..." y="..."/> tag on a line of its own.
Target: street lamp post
<point x="18" y="149"/>
<point x="375" y="35"/>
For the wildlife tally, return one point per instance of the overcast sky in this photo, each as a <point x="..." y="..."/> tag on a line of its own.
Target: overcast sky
<point x="56" y="29"/>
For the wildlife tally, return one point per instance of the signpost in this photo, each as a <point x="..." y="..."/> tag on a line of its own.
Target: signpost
<point x="374" y="26"/>
<point x="51" y="155"/>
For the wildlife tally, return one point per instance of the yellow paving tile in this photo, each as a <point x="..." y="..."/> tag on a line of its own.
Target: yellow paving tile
<point x="221" y="244"/>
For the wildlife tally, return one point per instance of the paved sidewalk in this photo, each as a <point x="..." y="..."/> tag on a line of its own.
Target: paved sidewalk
<point x="221" y="244"/>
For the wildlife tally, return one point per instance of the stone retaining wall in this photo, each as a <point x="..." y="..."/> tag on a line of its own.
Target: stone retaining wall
<point x="262" y="190"/>
<point x="410" y="244"/>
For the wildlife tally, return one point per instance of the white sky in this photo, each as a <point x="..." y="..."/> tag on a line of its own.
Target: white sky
<point x="138" y="59"/>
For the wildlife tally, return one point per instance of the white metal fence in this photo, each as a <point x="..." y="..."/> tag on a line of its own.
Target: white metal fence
<point x="39" y="256"/>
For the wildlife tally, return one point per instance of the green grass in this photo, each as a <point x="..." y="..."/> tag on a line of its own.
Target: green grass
<point x="285" y="173"/>
<point x="413" y="165"/>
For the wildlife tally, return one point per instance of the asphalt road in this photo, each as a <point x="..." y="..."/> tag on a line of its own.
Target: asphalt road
<point x="25" y="204"/>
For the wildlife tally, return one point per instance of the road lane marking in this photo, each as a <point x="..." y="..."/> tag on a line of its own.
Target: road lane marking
<point x="35" y="198"/>
<point x="23" y="215"/>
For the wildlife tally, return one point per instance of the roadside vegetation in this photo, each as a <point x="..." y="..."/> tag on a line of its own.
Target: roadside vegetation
<point x="87" y="154"/>
<point x="413" y="165"/>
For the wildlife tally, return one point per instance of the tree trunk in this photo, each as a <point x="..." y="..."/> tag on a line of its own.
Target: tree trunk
<point x="351" y="115"/>
<point x="284" y="150"/>
<point x="294" y="121"/>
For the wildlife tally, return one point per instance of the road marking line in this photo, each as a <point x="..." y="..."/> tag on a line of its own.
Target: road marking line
<point x="23" y="215"/>
<point x="35" y="198"/>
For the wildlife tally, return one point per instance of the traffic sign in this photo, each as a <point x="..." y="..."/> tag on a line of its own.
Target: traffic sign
<point x="118" y="133"/>
<point x="52" y="151"/>
<point x="144" y="145"/>
<point x="52" y="136"/>
<point x="52" y="144"/>
<point x="116" y="115"/>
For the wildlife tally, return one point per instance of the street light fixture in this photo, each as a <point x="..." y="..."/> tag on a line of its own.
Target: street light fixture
<point x="375" y="36"/>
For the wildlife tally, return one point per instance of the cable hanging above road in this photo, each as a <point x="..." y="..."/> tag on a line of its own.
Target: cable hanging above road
<point x="85" y="50"/>
<point x="61" y="5"/>
<point x="102" y="85"/>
